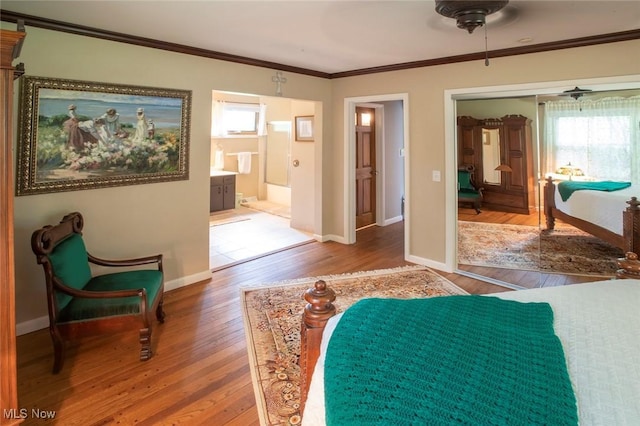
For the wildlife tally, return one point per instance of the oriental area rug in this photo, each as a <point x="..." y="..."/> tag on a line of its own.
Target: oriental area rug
<point x="565" y="249"/>
<point x="272" y="318"/>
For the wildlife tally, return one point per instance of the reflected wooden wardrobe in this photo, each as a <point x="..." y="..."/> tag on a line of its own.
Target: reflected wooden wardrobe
<point x="501" y="154"/>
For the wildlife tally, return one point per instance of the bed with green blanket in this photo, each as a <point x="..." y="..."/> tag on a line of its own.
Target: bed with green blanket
<point x="562" y="356"/>
<point x="607" y="210"/>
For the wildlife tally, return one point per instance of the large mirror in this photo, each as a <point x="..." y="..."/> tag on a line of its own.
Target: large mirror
<point x="514" y="245"/>
<point x="500" y="243"/>
<point x="278" y="153"/>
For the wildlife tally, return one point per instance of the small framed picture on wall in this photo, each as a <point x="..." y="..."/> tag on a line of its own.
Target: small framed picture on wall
<point x="304" y="128"/>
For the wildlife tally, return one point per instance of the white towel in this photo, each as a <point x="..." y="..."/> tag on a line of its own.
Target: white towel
<point x="218" y="163"/>
<point x="244" y="163"/>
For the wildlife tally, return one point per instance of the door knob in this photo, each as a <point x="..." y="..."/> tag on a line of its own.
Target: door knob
<point x="296" y="163"/>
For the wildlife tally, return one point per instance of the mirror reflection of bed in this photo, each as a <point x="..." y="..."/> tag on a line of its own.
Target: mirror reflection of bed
<point x="499" y="250"/>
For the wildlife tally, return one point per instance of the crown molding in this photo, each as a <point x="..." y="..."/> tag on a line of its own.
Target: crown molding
<point x="514" y="51"/>
<point x="50" y="24"/>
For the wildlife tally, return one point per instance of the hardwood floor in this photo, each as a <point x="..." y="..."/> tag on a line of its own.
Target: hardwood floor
<point x="199" y="373"/>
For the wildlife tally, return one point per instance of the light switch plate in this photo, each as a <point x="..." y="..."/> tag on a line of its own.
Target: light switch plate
<point x="435" y="175"/>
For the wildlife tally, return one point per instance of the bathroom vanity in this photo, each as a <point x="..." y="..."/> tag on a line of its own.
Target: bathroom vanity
<point x="222" y="194"/>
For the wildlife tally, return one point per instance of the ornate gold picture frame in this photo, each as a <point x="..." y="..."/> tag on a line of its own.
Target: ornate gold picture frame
<point x="78" y="135"/>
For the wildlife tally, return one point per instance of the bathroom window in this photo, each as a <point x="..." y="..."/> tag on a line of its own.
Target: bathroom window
<point x="236" y="119"/>
<point x="242" y="120"/>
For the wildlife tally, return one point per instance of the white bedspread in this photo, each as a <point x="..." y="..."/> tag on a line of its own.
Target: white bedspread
<point x="599" y="326"/>
<point x="602" y="208"/>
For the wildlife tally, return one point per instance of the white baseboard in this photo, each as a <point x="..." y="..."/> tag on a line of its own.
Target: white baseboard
<point x="392" y="220"/>
<point x="428" y="263"/>
<point x="32" y="325"/>
<point x="43" y="322"/>
<point x="330" y="237"/>
<point x="185" y="281"/>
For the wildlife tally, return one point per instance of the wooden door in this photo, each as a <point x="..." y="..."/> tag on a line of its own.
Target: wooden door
<point x="365" y="167"/>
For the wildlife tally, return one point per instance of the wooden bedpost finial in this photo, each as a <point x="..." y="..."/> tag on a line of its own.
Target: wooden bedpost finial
<point x="319" y="306"/>
<point x="317" y="312"/>
<point x="629" y="266"/>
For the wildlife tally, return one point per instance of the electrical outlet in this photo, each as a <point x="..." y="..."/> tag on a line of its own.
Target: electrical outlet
<point x="435" y="175"/>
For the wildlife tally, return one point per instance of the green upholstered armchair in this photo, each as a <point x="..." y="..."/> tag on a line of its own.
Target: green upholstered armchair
<point x="81" y="303"/>
<point x="467" y="191"/>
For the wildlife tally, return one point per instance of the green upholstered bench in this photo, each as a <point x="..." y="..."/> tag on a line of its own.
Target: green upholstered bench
<point x="83" y="304"/>
<point x="467" y="192"/>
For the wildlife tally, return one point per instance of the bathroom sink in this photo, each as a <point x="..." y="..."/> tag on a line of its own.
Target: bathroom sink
<point x="221" y="173"/>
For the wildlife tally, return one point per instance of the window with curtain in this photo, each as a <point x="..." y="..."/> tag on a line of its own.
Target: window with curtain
<point x="600" y="137"/>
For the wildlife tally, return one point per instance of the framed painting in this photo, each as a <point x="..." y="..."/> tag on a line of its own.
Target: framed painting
<point x="77" y="135"/>
<point x="304" y="128"/>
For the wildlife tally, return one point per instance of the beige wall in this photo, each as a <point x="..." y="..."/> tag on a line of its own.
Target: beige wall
<point x="172" y="218"/>
<point x="426" y="151"/>
<point x="306" y="174"/>
<point x="393" y="162"/>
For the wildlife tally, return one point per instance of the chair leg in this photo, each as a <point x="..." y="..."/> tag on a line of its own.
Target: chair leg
<point x="160" y="312"/>
<point x="476" y="206"/>
<point x="58" y="351"/>
<point x="145" y="344"/>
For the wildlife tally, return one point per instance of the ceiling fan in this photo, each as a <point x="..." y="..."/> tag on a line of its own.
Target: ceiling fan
<point x="469" y="15"/>
<point x="576" y="93"/>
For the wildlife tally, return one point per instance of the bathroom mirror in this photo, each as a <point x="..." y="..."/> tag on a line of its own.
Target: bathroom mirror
<point x="278" y="153"/>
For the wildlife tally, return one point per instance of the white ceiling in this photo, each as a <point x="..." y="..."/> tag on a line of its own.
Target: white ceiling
<point x="335" y="36"/>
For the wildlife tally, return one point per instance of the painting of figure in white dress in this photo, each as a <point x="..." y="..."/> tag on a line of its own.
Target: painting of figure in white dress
<point x="81" y="135"/>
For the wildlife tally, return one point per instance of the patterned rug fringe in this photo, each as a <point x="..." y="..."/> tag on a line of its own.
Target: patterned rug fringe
<point x="346" y="275"/>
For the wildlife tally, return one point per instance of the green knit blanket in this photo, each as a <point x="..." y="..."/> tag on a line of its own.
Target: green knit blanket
<point x="568" y="187"/>
<point x="471" y="360"/>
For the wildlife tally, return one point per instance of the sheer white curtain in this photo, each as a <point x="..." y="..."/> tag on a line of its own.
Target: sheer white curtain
<point x="601" y="137"/>
<point x="218" y="126"/>
<point x="262" y="120"/>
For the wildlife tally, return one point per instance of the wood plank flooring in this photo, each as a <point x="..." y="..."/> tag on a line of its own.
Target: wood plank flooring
<point x="199" y="373"/>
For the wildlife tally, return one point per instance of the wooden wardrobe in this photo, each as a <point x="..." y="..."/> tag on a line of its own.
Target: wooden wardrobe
<point x="8" y="377"/>
<point x="515" y="191"/>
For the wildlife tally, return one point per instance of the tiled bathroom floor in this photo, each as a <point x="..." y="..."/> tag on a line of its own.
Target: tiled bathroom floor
<point x="241" y="234"/>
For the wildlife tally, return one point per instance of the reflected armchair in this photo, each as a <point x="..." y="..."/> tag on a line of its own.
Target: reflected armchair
<point x="81" y="303"/>
<point x="467" y="191"/>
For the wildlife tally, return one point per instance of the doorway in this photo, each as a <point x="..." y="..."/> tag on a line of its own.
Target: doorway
<point x="389" y="203"/>
<point x="365" y="167"/>
<point x="271" y="212"/>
